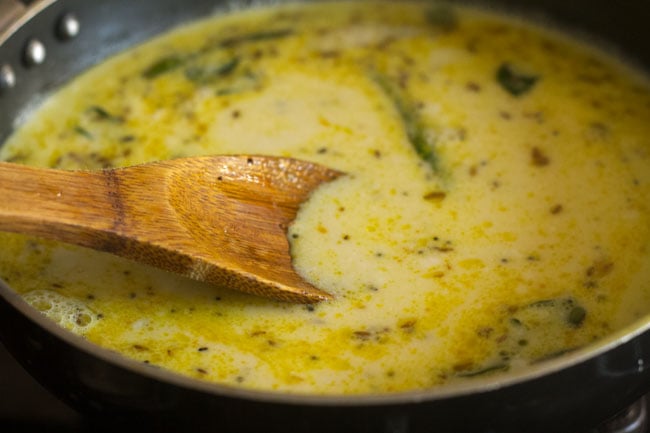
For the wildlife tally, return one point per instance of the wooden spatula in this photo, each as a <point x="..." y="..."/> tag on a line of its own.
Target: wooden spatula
<point x="219" y="219"/>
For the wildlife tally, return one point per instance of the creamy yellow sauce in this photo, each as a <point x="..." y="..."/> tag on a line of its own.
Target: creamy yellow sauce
<point x="496" y="210"/>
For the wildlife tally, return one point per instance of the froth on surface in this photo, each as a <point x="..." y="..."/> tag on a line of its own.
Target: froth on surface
<point x="68" y="312"/>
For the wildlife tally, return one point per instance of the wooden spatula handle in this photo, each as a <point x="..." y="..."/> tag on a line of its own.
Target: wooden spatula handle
<point x="51" y="203"/>
<point x="219" y="219"/>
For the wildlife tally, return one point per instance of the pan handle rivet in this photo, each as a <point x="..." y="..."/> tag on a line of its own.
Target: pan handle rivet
<point x="7" y="77"/>
<point x="68" y="26"/>
<point x="34" y="53"/>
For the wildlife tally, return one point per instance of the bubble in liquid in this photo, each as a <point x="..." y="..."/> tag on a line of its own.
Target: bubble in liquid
<point x="70" y="313"/>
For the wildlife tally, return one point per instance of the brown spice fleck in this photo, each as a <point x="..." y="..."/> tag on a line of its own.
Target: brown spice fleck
<point x="463" y="366"/>
<point x="257" y="333"/>
<point x="473" y="87"/>
<point x="598" y="131"/>
<point x="600" y="268"/>
<point x="403" y="80"/>
<point x="537" y="116"/>
<point x="408" y="326"/>
<point x="539" y="158"/>
<point x="362" y="335"/>
<point x="435" y="196"/>
<point x="329" y="54"/>
<point x="557" y="209"/>
<point x="485" y="332"/>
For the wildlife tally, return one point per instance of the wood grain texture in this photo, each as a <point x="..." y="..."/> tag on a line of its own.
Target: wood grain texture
<point x="219" y="219"/>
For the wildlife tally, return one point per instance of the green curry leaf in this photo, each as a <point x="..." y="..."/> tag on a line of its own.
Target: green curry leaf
<point x="162" y="66"/>
<point x="442" y="17"/>
<point x="514" y="81"/>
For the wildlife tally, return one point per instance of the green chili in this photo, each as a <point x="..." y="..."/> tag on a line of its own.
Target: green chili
<point x="423" y="142"/>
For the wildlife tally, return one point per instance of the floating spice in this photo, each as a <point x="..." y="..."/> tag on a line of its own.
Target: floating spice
<point x="421" y="138"/>
<point x="100" y="113"/>
<point x="162" y="66"/>
<point x="435" y="196"/>
<point x="485" y="370"/>
<point x="577" y="316"/>
<point x="256" y="37"/>
<point x="514" y="81"/>
<point x="539" y="158"/>
<point x="207" y="74"/>
<point x="442" y="17"/>
<point x="83" y="132"/>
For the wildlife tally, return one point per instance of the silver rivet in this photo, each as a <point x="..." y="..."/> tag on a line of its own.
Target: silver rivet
<point x="7" y="77"/>
<point x="34" y="52"/>
<point x="68" y="26"/>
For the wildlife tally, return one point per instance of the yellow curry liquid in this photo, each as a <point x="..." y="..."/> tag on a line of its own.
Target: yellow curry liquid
<point x="496" y="210"/>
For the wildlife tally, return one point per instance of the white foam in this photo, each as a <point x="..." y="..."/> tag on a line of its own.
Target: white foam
<point x="67" y="312"/>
